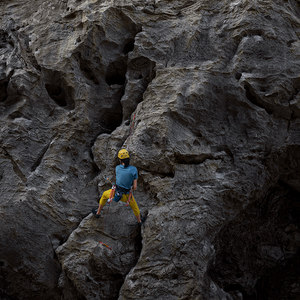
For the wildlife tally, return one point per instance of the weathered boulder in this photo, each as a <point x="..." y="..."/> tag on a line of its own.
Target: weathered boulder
<point x="99" y="254"/>
<point x="204" y="95"/>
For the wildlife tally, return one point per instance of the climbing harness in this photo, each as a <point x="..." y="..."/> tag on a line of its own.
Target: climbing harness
<point x="112" y="192"/>
<point x="117" y="192"/>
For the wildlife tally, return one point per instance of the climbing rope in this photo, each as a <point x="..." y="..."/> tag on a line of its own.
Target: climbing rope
<point x="130" y="131"/>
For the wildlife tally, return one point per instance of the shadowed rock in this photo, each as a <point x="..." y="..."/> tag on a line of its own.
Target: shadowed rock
<point x="203" y="94"/>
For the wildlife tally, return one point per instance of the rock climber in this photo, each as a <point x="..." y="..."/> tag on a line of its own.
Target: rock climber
<point x="126" y="182"/>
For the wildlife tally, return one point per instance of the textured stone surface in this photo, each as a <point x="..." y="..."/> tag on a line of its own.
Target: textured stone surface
<point x="98" y="270"/>
<point x="205" y="96"/>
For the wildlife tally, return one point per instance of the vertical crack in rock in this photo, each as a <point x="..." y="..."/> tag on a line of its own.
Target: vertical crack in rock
<point x="103" y="60"/>
<point x="16" y="167"/>
<point x="4" y="94"/>
<point x="129" y="46"/>
<point x="3" y="90"/>
<point x="95" y="167"/>
<point x="96" y="269"/>
<point x="116" y="71"/>
<point x="141" y="72"/>
<point x="293" y="102"/>
<point x="138" y="245"/>
<point x="40" y="157"/>
<point x="253" y="98"/>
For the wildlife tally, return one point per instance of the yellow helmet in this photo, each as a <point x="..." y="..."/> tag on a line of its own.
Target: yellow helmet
<point x="123" y="153"/>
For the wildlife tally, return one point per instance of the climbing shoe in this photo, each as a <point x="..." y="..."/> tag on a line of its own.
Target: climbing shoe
<point x="143" y="219"/>
<point x="94" y="211"/>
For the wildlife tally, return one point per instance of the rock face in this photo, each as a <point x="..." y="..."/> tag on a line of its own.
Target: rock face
<point x="204" y="95"/>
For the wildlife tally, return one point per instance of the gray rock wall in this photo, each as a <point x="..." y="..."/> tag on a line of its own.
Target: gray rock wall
<point x="204" y="95"/>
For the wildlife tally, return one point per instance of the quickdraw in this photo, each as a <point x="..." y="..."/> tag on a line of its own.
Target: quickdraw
<point x="129" y="198"/>
<point x="105" y="245"/>
<point x="112" y="194"/>
<point x="132" y="125"/>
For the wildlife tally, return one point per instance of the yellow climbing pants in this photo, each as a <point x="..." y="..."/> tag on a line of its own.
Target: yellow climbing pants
<point x="132" y="204"/>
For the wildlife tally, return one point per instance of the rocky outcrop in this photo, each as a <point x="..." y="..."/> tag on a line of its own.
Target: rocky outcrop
<point x="204" y="95"/>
